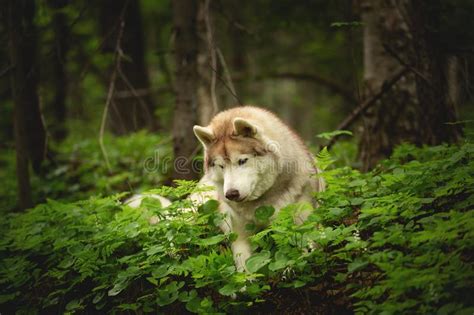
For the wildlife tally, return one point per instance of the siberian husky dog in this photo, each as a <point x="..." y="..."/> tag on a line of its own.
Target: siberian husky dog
<point x="253" y="159"/>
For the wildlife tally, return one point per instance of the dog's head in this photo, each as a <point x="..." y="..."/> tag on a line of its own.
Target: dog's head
<point x="239" y="159"/>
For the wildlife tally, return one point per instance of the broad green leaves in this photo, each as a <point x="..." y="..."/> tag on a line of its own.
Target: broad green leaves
<point x="213" y="240"/>
<point x="257" y="261"/>
<point x="331" y="134"/>
<point x="400" y="236"/>
<point x="264" y="213"/>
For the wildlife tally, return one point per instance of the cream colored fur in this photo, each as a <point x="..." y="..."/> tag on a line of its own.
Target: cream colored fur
<point x="279" y="173"/>
<point x="292" y="179"/>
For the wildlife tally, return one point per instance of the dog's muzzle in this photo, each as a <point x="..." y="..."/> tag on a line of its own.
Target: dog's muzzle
<point x="232" y="194"/>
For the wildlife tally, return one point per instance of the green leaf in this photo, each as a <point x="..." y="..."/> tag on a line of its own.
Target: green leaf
<point x="152" y="280"/>
<point x="346" y="24"/>
<point x="358" y="183"/>
<point x="129" y="306"/>
<point x="194" y="304"/>
<point x="357" y="201"/>
<point x="356" y="265"/>
<point x="324" y="159"/>
<point x="98" y="297"/>
<point x="155" y="249"/>
<point x="151" y="203"/>
<point x="161" y="271"/>
<point x="210" y="206"/>
<point x="298" y="283"/>
<point x="331" y="134"/>
<point x="257" y="261"/>
<point x="250" y="227"/>
<point x="228" y="290"/>
<point x="7" y="297"/>
<point x="169" y="293"/>
<point x="465" y="311"/>
<point x="117" y="288"/>
<point x="449" y="308"/>
<point x="264" y="213"/>
<point x="73" y="305"/>
<point x="281" y="260"/>
<point x="336" y="211"/>
<point x="216" y="239"/>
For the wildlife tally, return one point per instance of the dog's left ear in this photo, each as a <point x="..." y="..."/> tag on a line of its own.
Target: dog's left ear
<point x="244" y="128"/>
<point x="204" y="134"/>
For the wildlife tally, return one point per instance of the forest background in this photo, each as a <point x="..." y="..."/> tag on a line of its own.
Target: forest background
<point x="99" y="98"/>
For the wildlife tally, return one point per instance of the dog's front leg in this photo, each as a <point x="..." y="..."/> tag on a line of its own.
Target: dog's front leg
<point x="242" y="251"/>
<point x="241" y="248"/>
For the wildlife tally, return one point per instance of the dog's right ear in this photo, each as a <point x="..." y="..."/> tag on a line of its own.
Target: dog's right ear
<point x="204" y="134"/>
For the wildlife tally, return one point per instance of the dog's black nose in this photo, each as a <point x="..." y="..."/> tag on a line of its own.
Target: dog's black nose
<point x="232" y="194"/>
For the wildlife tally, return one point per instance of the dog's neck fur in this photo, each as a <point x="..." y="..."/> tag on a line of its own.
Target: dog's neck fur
<point x="288" y="188"/>
<point x="295" y="179"/>
<point x="295" y="163"/>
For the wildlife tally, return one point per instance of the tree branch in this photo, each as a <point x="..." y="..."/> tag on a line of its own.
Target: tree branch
<point x="212" y="55"/>
<point x="6" y="70"/>
<point x="226" y="72"/>
<point x="333" y="86"/>
<point x="362" y="108"/>
<point x="229" y="88"/>
<point x="118" y="54"/>
<point x="394" y="54"/>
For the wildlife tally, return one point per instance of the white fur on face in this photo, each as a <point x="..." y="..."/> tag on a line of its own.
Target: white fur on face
<point x="252" y="178"/>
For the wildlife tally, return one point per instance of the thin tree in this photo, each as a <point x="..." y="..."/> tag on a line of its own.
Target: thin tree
<point x="206" y="64"/>
<point x="132" y="107"/>
<point x="431" y="60"/>
<point x="30" y="136"/>
<point x="186" y="103"/>
<point x="58" y="65"/>
<point x="416" y="108"/>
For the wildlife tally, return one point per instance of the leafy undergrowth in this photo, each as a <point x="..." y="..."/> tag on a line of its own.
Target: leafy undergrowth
<point x="397" y="240"/>
<point x="78" y="170"/>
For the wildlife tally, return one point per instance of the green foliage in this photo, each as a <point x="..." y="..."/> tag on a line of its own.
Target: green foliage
<point x="324" y="159"/>
<point x="138" y="162"/>
<point x="396" y="240"/>
<point x="331" y="134"/>
<point x="98" y="254"/>
<point x="347" y="24"/>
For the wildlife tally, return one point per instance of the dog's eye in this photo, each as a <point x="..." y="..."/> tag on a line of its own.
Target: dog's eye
<point x="242" y="161"/>
<point x="212" y="164"/>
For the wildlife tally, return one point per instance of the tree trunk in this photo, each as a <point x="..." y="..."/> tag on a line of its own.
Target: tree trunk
<point x="432" y="63"/>
<point x="60" y="82"/>
<point x="186" y="106"/>
<point x="239" y="62"/>
<point x="415" y="109"/>
<point x="132" y="108"/>
<point x="206" y="64"/>
<point x="454" y="85"/>
<point x="30" y="136"/>
<point x="387" y="123"/>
